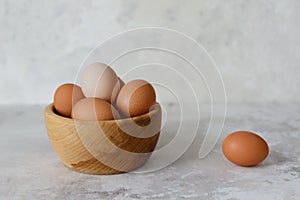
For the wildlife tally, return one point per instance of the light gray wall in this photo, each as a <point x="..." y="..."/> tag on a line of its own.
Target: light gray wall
<point x="256" y="44"/>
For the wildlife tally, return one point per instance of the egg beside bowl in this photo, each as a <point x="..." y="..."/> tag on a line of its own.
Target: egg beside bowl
<point x="88" y="111"/>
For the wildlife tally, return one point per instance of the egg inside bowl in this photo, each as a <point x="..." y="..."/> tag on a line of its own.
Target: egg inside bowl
<point x="105" y="146"/>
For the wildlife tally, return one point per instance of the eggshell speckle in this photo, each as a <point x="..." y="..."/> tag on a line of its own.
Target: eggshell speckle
<point x="99" y="80"/>
<point x="245" y="148"/>
<point x="136" y="98"/>
<point x="94" y="109"/>
<point x="65" y="97"/>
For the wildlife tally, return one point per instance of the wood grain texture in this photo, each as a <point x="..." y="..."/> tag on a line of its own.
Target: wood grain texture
<point x="104" y="147"/>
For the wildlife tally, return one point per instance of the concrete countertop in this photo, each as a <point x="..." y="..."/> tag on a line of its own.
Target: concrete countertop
<point x="30" y="169"/>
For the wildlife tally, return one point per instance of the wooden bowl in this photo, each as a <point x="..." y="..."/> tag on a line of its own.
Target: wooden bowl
<point x="104" y="147"/>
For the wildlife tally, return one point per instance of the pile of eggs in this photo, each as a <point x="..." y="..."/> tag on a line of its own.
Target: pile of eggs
<point x="103" y="96"/>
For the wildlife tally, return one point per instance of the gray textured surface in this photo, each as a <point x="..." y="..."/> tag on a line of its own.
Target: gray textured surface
<point x="31" y="170"/>
<point x="256" y="44"/>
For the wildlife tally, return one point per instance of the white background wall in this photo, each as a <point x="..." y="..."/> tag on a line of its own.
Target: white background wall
<point x="256" y="44"/>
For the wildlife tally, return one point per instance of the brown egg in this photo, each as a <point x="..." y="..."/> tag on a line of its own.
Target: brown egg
<point x="245" y="148"/>
<point x="136" y="98"/>
<point x="65" y="97"/>
<point x="94" y="109"/>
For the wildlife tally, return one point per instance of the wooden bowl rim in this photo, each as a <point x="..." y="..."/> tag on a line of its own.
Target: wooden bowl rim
<point x="50" y="110"/>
